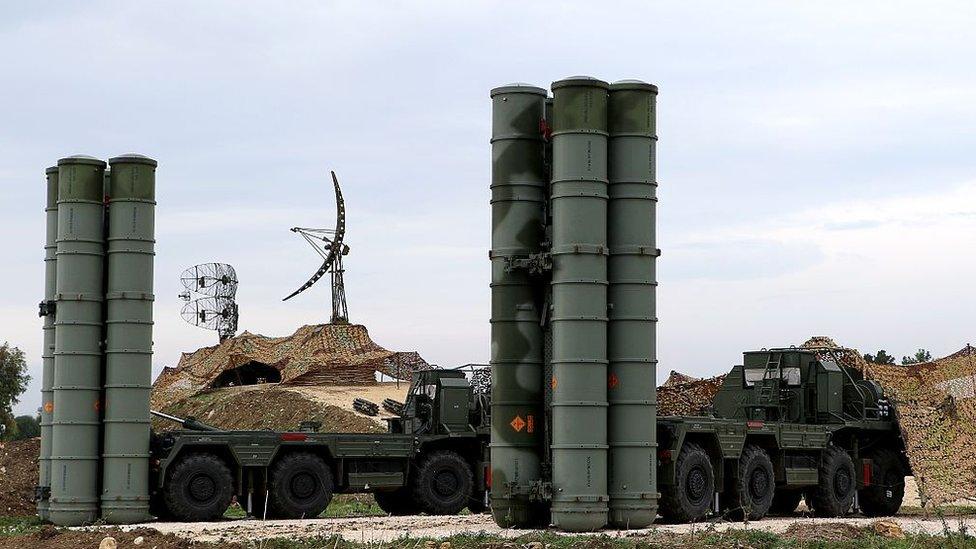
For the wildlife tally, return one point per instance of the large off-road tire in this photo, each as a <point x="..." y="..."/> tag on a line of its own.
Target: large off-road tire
<point x="887" y="489"/>
<point x="198" y="487"/>
<point x="785" y="502"/>
<point x="300" y="486"/>
<point x="690" y="497"/>
<point x="443" y="484"/>
<point x="397" y="502"/>
<point x="751" y="490"/>
<point x="833" y="496"/>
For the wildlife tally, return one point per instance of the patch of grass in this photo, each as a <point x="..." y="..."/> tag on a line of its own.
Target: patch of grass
<point x="941" y="511"/>
<point x="353" y="505"/>
<point x="19" y="526"/>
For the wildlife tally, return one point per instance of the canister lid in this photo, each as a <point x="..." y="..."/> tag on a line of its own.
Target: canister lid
<point x="579" y="81"/>
<point x="518" y="87"/>
<point x="133" y="158"/>
<point x="51" y="170"/>
<point x="81" y="159"/>
<point x="633" y="85"/>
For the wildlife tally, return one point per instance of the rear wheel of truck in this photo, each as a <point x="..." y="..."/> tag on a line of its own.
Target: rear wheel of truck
<point x="833" y="496"/>
<point x="397" y="502"/>
<point x="300" y="486"/>
<point x="199" y="487"/>
<point x="883" y="496"/>
<point x="752" y="489"/>
<point x="690" y="497"/>
<point x="443" y="484"/>
<point x="785" y="501"/>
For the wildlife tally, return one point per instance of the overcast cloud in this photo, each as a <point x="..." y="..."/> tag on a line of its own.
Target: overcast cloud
<point x="816" y="161"/>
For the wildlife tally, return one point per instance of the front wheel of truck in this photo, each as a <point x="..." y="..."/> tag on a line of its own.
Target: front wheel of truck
<point x="199" y="487"/>
<point x="443" y="484"/>
<point x="300" y="486"/>
<point x="690" y="497"/>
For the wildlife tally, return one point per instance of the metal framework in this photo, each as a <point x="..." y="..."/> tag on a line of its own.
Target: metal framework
<point x="328" y="243"/>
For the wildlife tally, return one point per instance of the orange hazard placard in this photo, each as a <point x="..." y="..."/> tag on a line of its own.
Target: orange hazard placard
<point x="553" y="383"/>
<point x="518" y="424"/>
<point x="49" y="407"/>
<point x="613" y="381"/>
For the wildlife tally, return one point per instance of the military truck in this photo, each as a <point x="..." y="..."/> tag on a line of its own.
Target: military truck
<point x="433" y="458"/>
<point x="786" y="424"/>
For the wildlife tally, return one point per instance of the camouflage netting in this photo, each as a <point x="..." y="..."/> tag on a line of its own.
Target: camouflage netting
<point x="314" y="355"/>
<point x="683" y="395"/>
<point x="937" y="414"/>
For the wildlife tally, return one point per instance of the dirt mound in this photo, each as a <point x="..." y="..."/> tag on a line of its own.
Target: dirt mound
<point x="266" y="407"/>
<point x="313" y="355"/>
<point x="823" y="532"/>
<point x="50" y="537"/>
<point x="18" y="476"/>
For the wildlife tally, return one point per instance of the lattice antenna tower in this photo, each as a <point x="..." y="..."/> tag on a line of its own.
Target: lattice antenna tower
<point x="330" y="246"/>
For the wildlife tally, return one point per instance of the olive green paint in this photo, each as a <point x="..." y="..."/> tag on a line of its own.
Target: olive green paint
<point x="78" y="342"/>
<point x="128" y="343"/>
<point x="518" y="186"/>
<point x="579" y="295"/>
<point x="47" y="353"/>
<point x="631" y="331"/>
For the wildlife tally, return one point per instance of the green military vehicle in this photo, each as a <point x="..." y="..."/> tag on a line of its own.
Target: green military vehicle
<point x="785" y="424"/>
<point x="433" y="459"/>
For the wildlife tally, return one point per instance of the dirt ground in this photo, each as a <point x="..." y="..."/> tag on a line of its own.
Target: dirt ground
<point x="384" y="529"/>
<point x="18" y="476"/>
<point x="54" y="538"/>
<point x="342" y="395"/>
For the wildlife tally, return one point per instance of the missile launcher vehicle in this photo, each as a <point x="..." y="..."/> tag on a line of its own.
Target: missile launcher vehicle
<point x="432" y="459"/>
<point x="786" y="424"/>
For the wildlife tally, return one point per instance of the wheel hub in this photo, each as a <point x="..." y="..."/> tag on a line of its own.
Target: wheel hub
<point x="842" y="483"/>
<point x="303" y="485"/>
<point x="695" y="484"/>
<point x="446" y="483"/>
<point x="759" y="484"/>
<point x="202" y="488"/>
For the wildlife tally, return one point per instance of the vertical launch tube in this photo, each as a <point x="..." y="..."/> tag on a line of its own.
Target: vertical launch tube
<point x="518" y="186"/>
<point x="47" y="354"/>
<point x="579" y="294"/>
<point x="78" y="338"/>
<point x="128" y="342"/>
<point x="631" y="332"/>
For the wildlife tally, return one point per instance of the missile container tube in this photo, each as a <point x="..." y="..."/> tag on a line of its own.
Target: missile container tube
<point x="579" y="299"/>
<point x="78" y="342"/>
<point x="631" y="294"/>
<point x="518" y="193"/>
<point x="47" y="311"/>
<point x="128" y="344"/>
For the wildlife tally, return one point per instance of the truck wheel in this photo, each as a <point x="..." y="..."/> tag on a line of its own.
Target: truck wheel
<point x="396" y="502"/>
<point x="444" y="483"/>
<point x="887" y="489"/>
<point x="690" y="497"/>
<point x="753" y="486"/>
<point x="199" y="487"/>
<point x="785" y="501"/>
<point x="300" y="486"/>
<point x="834" y="494"/>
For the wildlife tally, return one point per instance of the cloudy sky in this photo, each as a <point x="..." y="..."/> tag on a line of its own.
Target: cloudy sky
<point x="816" y="160"/>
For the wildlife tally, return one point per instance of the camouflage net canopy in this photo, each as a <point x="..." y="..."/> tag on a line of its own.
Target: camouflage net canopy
<point x="937" y="414"/>
<point x="340" y="354"/>
<point x="683" y="395"/>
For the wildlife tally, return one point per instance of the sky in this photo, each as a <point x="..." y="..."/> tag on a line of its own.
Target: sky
<point x="816" y="161"/>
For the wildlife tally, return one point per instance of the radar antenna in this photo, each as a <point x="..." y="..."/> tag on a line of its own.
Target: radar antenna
<point x="217" y="310"/>
<point x="328" y="243"/>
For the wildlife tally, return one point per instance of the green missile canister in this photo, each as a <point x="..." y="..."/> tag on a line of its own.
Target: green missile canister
<point x="128" y="341"/>
<point x="518" y="187"/>
<point x="78" y="339"/>
<point x="631" y="333"/>
<point x="47" y="311"/>
<point x="579" y="295"/>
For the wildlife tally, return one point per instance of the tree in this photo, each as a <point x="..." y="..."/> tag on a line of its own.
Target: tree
<point x="13" y="383"/>
<point x="919" y="357"/>
<point x="881" y="357"/>
<point x="28" y="427"/>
